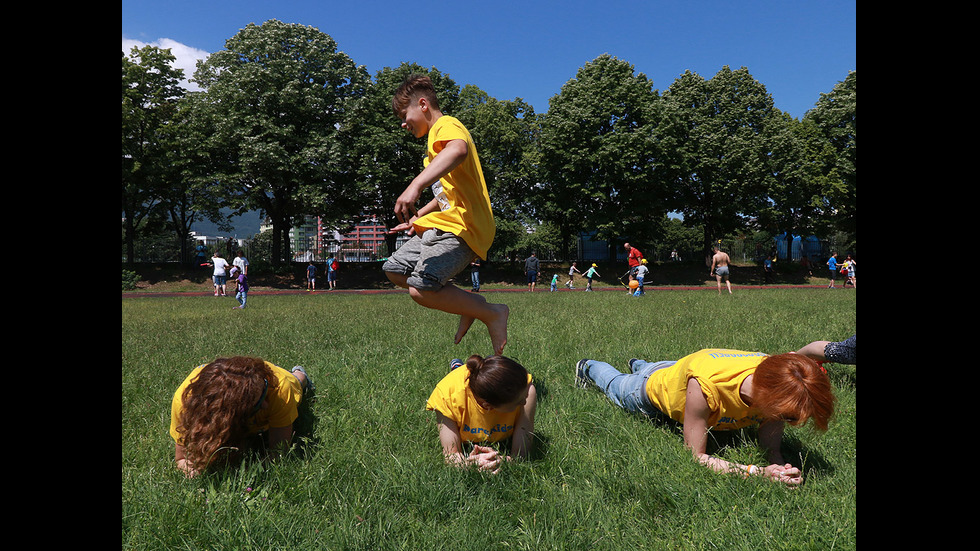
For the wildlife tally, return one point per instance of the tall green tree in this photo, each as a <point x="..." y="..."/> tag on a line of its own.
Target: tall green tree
<point x="275" y="99"/>
<point x="601" y="157"/>
<point x="150" y="91"/>
<point x="505" y="133"/>
<point x="835" y="115"/>
<point x="802" y="179"/>
<point x="189" y="173"/>
<point x="722" y="177"/>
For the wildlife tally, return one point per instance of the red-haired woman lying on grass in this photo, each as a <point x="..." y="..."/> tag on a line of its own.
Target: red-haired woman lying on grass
<point x="717" y="389"/>
<point x="221" y="406"/>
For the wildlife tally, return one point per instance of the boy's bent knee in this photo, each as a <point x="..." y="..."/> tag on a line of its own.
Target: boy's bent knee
<point x="400" y="280"/>
<point x="422" y="281"/>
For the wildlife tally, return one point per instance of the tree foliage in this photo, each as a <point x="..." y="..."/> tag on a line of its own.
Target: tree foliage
<point x="600" y="154"/>
<point x="289" y="125"/>
<point x="721" y="182"/>
<point x="505" y="134"/>
<point x="836" y="116"/>
<point x="275" y="99"/>
<point x="150" y="91"/>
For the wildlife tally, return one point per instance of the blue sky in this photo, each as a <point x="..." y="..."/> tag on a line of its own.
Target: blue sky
<point x="797" y="49"/>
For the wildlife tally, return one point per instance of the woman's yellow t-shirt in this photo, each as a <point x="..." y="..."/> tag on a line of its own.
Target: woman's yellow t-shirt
<point x="283" y="403"/>
<point x="464" y="202"/>
<point x="720" y="374"/>
<point x="453" y="398"/>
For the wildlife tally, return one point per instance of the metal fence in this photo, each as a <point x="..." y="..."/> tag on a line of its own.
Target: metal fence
<point x="784" y="246"/>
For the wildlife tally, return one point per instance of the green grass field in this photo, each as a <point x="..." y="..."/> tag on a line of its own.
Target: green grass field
<point x="368" y="473"/>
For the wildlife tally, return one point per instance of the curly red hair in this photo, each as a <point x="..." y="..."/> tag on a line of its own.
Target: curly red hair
<point x="217" y="406"/>
<point x="793" y="388"/>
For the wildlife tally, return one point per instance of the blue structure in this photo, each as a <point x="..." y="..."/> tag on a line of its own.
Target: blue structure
<point x="794" y="247"/>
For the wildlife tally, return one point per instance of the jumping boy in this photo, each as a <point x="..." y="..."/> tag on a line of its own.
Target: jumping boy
<point x="454" y="227"/>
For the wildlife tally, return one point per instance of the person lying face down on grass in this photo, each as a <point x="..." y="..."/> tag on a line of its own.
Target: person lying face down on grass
<point x="480" y="402"/>
<point x="718" y="389"/>
<point x="220" y="407"/>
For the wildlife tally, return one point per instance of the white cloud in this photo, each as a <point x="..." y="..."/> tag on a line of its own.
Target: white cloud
<point x="186" y="56"/>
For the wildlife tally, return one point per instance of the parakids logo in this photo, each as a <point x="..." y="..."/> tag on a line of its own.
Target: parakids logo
<point x="736" y="354"/>
<point x="480" y="430"/>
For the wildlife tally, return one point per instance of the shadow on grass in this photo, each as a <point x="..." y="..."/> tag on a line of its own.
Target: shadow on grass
<point x="304" y="428"/>
<point x="792" y="449"/>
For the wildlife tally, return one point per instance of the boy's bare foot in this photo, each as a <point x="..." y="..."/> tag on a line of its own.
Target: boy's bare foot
<point x="464" y="325"/>
<point x="497" y="325"/>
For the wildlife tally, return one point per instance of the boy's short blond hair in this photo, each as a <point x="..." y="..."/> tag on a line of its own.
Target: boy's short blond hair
<point x="414" y="87"/>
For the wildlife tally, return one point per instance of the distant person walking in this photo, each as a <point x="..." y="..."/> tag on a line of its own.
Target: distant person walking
<point x="719" y="268"/>
<point x="220" y="275"/>
<point x="641" y="273"/>
<point x="475" y="274"/>
<point x="851" y="268"/>
<point x="571" y="275"/>
<point x="633" y="258"/>
<point x="311" y="277"/>
<point x="241" y="292"/>
<point x="332" y="266"/>
<point x="531" y="268"/>
<point x="241" y="262"/>
<point x="832" y="264"/>
<point x="589" y="274"/>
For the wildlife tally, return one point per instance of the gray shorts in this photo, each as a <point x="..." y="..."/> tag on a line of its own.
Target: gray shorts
<point x="722" y="271"/>
<point x="430" y="260"/>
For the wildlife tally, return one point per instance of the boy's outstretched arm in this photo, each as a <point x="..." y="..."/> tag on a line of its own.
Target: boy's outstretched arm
<point x="450" y="157"/>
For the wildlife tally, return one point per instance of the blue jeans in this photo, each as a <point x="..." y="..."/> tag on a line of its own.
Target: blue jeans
<point x="626" y="390"/>
<point x="242" y="296"/>
<point x="475" y="276"/>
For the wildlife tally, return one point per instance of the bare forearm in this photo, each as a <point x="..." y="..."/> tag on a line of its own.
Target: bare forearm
<point x="445" y="161"/>
<point x="815" y="350"/>
<point x="718" y="464"/>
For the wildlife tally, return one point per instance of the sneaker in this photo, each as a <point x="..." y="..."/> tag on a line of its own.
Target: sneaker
<point x="454" y="363"/>
<point x="581" y="379"/>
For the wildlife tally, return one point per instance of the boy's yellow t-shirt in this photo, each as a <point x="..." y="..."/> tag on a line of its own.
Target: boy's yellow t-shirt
<point x="720" y="374"/>
<point x="283" y="403"/>
<point x="464" y="202"/>
<point x="453" y="398"/>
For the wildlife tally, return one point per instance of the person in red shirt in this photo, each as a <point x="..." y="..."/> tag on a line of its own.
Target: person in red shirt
<point x="633" y="258"/>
